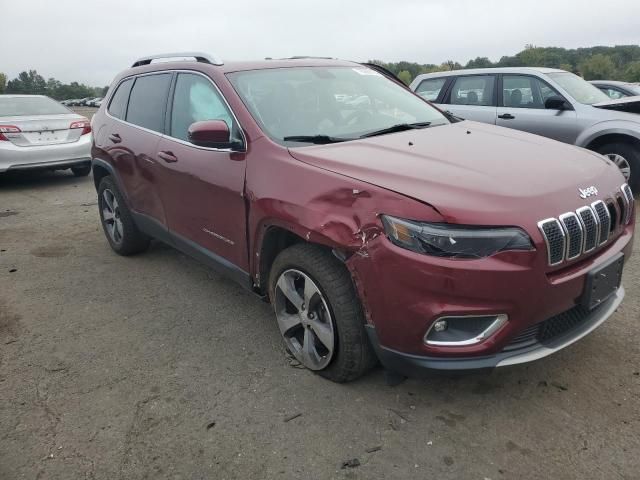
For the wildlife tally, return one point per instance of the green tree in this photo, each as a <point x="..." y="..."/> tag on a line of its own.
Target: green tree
<point x="405" y="76"/>
<point x="3" y="82"/>
<point x="598" y="67"/>
<point x="479" y="62"/>
<point x="28" y="82"/>
<point x="632" y="72"/>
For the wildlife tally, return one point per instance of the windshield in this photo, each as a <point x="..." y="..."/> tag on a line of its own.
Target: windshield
<point x="334" y="102"/>
<point x="581" y="90"/>
<point x="634" y="88"/>
<point x="23" y="106"/>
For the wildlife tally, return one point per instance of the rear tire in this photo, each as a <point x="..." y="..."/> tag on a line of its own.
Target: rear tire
<point x="621" y="154"/>
<point x="351" y="354"/>
<point x="117" y="222"/>
<point x="81" y="171"/>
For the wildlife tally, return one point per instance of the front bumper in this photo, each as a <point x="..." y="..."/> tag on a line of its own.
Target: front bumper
<point x="403" y="293"/>
<point x="416" y="365"/>
<point x="63" y="155"/>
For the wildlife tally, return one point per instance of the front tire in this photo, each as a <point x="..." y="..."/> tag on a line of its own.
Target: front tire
<point x="117" y="222"/>
<point x="627" y="158"/>
<point x="319" y="314"/>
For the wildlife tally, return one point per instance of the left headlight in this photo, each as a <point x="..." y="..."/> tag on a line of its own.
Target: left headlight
<point x="458" y="241"/>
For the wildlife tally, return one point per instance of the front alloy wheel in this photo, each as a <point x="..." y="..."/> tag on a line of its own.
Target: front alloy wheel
<point x="621" y="163"/>
<point x="304" y="319"/>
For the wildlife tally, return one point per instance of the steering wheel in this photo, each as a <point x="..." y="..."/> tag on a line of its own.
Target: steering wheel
<point x="359" y="116"/>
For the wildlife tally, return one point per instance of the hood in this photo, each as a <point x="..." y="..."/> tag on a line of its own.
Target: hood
<point x="625" y="104"/>
<point x="472" y="172"/>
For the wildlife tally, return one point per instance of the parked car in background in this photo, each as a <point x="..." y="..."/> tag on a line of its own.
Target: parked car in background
<point x="37" y="132"/>
<point x="548" y="102"/>
<point x="92" y="102"/>
<point x="97" y="103"/>
<point x="375" y="224"/>
<point x="617" y="90"/>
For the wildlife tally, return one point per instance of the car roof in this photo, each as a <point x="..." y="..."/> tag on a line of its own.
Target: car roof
<point x="477" y="71"/>
<point x="20" y="95"/>
<point x="611" y="82"/>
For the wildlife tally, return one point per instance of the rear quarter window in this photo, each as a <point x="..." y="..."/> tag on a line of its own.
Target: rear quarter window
<point x="148" y="101"/>
<point x="473" y="90"/>
<point x="118" y="104"/>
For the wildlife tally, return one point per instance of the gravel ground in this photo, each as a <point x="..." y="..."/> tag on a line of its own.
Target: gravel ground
<point x="155" y="367"/>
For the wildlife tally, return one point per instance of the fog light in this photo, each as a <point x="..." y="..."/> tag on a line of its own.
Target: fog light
<point x="440" y="326"/>
<point x="457" y="331"/>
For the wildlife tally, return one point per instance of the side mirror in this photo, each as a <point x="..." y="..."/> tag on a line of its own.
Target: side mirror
<point x="556" y="103"/>
<point x="210" y="133"/>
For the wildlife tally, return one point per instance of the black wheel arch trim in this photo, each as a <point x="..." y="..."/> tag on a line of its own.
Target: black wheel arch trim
<point x="97" y="162"/>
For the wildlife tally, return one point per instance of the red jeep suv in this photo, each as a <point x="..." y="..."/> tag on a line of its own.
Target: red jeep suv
<point x="379" y="227"/>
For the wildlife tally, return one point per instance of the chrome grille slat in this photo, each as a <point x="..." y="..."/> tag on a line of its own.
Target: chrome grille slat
<point x="573" y="231"/>
<point x="590" y="225"/>
<point x="627" y="196"/>
<point x="555" y="239"/>
<point x="604" y="218"/>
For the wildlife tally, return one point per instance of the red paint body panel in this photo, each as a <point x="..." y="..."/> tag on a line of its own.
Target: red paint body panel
<point x="203" y="197"/>
<point x="465" y="173"/>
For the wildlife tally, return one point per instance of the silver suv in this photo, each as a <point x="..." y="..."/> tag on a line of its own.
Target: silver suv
<point x="548" y="102"/>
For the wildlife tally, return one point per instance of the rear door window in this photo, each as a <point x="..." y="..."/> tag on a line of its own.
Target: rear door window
<point x="196" y="99"/>
<point x="118" y="104"/>
<point x="473" y="90"/>
<point x="430" y="89"/>
<point x="148" y="101"/>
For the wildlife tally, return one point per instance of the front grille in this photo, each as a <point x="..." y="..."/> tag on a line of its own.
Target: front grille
<point x="575" y="233"/>
<point x="549" y="329"/>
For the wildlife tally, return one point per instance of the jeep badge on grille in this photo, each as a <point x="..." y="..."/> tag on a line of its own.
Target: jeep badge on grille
<point x="587" y="192"/>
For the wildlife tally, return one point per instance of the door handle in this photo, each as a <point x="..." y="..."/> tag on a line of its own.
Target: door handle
<point x="115" y="138"/>
<point x="168" y="157"/>
<point x="506" y="116"/>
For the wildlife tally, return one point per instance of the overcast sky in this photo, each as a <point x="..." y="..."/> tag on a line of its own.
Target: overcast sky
<point x="91" y="40"/>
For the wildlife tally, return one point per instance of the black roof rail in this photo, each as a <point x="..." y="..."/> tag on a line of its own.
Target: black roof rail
<point x="198" y="56"/>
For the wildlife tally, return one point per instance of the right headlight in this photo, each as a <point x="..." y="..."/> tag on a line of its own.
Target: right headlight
<point x="457" y="241"/>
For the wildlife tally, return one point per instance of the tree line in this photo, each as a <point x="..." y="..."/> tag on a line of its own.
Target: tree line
<point x="34" y="84"/>
<point x="621" y="62"/>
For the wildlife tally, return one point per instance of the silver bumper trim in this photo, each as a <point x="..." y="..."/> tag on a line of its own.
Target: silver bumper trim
<point x="590" y="323"/>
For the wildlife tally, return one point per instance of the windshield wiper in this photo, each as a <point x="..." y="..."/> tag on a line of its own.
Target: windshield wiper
<point x="317" y="139"/>
<point x="400" y="127"/>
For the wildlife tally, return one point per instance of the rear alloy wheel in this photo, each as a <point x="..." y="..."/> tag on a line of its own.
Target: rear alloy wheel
<point x="319" y="314"/>
<point x="118" y="225"/>
<point x="81" y="171"/>
<point x="111" y="216"/>
<point x="627" y="158"/>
